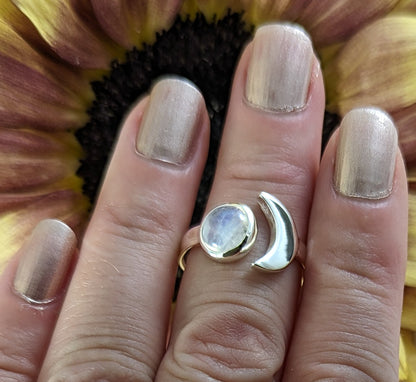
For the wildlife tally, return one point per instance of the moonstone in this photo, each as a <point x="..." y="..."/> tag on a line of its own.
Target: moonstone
<point x="224" y="230"/>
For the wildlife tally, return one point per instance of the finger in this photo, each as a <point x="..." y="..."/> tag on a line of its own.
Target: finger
<point x="232" y="322"/>
<point x="31" y="294"/>
<point x="114" y="320"/>
<point x="349" y="321"/>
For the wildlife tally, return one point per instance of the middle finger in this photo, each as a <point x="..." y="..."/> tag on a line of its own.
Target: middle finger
<point x="232" y="322"/>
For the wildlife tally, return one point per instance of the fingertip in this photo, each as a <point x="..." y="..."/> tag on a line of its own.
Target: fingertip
<point x="254" y="81"/>
<point x="295" y="128"/>
<point x="169" y="126"/>
<point x="363" y="159"/>
<point x="372" y="208"/>
<point x="44" y="262"/>
<point x="31" y="294"/>
<point x="366" y="154"/>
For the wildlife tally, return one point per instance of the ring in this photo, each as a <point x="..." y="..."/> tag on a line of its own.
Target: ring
<point x="229" y="231"/>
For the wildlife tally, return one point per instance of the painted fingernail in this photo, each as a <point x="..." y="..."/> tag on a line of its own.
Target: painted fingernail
<point x="45" y="261"/>
<point x="171" y="121"/>
<point x="366" y="154"/>
<point x="280" y="68"/>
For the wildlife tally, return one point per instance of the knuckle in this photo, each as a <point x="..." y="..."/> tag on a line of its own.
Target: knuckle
<point x="16" y="367"/>
<point x="8" y="374"/>
<point x="103" y="365"/>
<point x="264" y="170"/>
<point x="147" y="221"/>
<point x="352" y="370"/>
<point x="363" y="269"/>
<point x="290" y="181"/>
<point x="109" y="348"/>
<point x="362" y="247"/>
<point x="145" y="215"/>
<point x="352" y="354"/>
<point x="231" y="344"/>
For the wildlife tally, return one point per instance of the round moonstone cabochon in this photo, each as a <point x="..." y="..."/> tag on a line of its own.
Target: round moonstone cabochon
<point x="228" y="232"/>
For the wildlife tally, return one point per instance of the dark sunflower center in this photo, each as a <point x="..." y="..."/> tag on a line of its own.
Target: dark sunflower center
<point x="204" y="52"/>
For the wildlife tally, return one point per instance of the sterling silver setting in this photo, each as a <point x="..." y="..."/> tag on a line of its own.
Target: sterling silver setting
<point x="229" y="231"/>
<point x="239" y="228"/>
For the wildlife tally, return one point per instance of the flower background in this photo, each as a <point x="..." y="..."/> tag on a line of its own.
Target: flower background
<point x="70" y="69"/>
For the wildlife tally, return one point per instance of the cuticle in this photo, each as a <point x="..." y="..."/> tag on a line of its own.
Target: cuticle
<point x="40" y="305"/>
<point x="277" y="111"/>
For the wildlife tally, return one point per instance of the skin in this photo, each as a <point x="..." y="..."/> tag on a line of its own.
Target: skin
<point x="230" y="323"/>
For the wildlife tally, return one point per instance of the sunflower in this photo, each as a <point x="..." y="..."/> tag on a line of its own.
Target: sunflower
<point x="70" y="69"/>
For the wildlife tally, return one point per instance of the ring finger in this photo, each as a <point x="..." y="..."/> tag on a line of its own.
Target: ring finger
<point x="232" y="322"/>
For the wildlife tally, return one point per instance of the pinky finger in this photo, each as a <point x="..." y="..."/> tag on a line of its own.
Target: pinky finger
<point x="31" y="295"/>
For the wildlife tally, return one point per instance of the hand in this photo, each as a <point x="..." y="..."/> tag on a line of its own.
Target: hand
<point x="231" y="322"/>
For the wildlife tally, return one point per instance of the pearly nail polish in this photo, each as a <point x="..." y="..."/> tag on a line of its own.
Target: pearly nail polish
<point x="171" y="121"/>
<point x="366" y="154"/>
<point x="45" y="261"/>
<point x="280" y="68"/>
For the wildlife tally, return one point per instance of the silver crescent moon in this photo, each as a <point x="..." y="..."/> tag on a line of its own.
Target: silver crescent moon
<point x="283" y="244"/>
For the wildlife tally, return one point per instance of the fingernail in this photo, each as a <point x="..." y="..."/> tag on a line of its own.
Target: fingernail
<point x="366" y="154"/>
<point x="171" y="121"/>
<point x="280" y="68"/>
<point x="45" y="261"/>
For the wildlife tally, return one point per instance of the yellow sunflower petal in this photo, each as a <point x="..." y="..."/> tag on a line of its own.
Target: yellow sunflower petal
<point x="123" y="20"/>
<point x="130" y="22"/>
<point x="50" y="109"/>
<point x="411" y="273"/>
<point x="411" y="256"/>
<point x="254" y="12"/>
<point x="405" y="120"/>
<point x="61" y="94"/>
<point x="23" y="43"/>
<point x="160" y="15"/>
<point x="375" y="67"/>
<point x="406" y="5"/>
<point x="408" y="356"/>
<point x="330" y="21"/>
<point x="37" y="181"/>
<point x="16" y="225"/>
<point x="69" y="27"/>
<point x="403" y="370"/>
<point x="213" y="8"/>
<point x="409" y="309"/>
<point x="31" y="160"/>
<point x="258" y="12"/>
<point x="11" y="15"/>
<point x="411" y="176"/>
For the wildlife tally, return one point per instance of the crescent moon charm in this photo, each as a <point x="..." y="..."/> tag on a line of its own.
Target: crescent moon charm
<point x="283" y="244"/>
